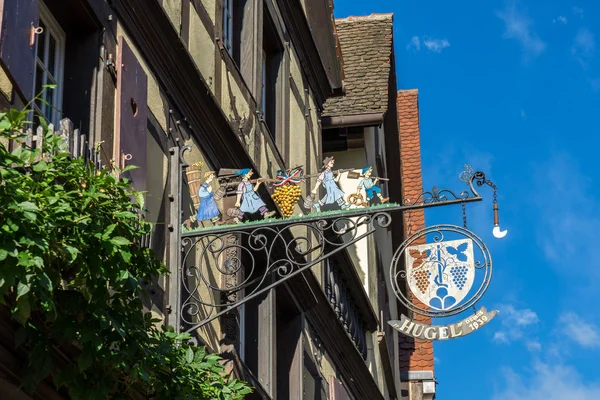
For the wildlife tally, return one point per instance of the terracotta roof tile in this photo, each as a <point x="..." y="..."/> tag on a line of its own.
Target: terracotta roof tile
<point x="366" y="46"/>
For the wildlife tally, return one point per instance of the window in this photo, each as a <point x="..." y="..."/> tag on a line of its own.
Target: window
<point x="238" y="22"/>
<point x="228" y="24"/>
<point x="49" y="64"/>
<point x="272" y="57"/>
<point x="264" y="83"/>
<point x="315" y="387"/>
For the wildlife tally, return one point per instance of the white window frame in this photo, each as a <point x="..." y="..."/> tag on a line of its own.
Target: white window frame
<point x="228" y="24"/>
<point x="51" y="28"/>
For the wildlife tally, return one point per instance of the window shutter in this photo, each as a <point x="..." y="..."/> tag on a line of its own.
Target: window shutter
<point x="132" y="114"/>
<point x="336" y="389"/>
<point x="18" y="18"/>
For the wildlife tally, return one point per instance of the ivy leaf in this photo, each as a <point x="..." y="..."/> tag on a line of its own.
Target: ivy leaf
<point x="27" y="206"/>
<point x="125" y="214"/>
<point x="84" y="361"/>
<point x="3" y="254"/>
<point x="123" y="275"/>
<point x="22" y="289"/>
<point x="140" y="199"/>
<point x="4" y="123"/>
<point x="29" y="215"/>
<point x="40" y="166"/>
<point x="200" y="353"/>
<point x="72" y="251"/>
<point x="46" y="282"/>
<point x="126" y="256"/>
<point x="134" y="374"/>
<point x="120" y="241"/>
<point x="129" y="168"/>
<point x="189" y="355"/>
<point x="22" y="310"/>
<point x="244" y="391"/>
<point x="144" y="375"/>
<point x="108" y="231"/>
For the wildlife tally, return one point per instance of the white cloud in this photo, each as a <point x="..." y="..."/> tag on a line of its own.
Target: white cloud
<point x="583" y="333"/>
<point x="533" y="345"/>
<point x="500" y="337"/>
<point x="436" y="45"/>
<point x="584" y="46"/>
<point x="519" y="27"/>
<point x="516" y="323"/>
<point x="431" y="44"/>
<point x="562" y="20"/>
<point x="415" y="43"/>
<point x="549" y="376"/>
<point x="566" y="228"/>
<point x="577" y="11"/>
<point x="547" y="382"/>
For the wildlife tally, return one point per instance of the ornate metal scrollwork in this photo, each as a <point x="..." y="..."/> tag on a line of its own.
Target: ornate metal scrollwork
<point x="437" y="234"/>
<point x="436" y="196"/>
<point x="263" y="257"/>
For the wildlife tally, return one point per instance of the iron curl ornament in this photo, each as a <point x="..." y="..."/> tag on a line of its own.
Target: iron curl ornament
<point x="255" y="260"/>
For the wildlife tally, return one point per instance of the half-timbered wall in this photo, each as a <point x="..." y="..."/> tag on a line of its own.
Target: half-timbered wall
<point x="135" y="114"/>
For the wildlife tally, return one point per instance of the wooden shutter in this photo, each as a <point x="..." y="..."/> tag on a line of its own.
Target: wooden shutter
<point x="336" y="389"/>
<point x="17" y="52"/>
<point x="132" y="114"/>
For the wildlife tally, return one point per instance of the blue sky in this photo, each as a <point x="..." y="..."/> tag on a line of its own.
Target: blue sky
<point x="513" y="88"/>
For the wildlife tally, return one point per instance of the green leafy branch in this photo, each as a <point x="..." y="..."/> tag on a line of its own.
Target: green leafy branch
<point x="70" y="268"/>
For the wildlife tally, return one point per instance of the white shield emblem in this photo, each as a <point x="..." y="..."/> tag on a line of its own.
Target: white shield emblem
<point x="441" y="274"/>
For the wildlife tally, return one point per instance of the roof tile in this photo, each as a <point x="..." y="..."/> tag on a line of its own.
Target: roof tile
<point x="366" y="46"/>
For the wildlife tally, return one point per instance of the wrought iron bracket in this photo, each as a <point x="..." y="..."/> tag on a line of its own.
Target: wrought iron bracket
<point x="218" y="269"/>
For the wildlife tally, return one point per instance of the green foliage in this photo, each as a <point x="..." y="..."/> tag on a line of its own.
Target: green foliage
<point x="69" y="273"/>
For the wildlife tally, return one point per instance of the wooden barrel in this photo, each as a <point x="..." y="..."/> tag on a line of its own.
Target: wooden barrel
<point x="234" y="212"/>
<point x="220" y="193"/>
<point x="195" y="180"/>
<point x="309" y="201"/>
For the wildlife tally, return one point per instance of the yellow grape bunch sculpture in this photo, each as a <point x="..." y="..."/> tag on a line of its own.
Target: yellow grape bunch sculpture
<point x="287" y="190"/>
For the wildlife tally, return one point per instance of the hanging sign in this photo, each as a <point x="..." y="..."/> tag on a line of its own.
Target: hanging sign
<point x="322" y="192"/>
<point x="441" y="278"/>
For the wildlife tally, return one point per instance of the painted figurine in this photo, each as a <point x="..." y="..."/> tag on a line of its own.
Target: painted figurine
<point x="248" y="201"/>
<point x="368" y="184"/>
<point x="330" y="183"/>
<point x="207" y="210"/>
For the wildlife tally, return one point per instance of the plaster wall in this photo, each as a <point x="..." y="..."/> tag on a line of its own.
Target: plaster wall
<point x="173" y="9"/>
<point x="202" y="48"/>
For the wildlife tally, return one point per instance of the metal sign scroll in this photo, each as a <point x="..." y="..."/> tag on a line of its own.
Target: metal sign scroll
<point x="446" y="269"/>
<point x="443" y="332"/>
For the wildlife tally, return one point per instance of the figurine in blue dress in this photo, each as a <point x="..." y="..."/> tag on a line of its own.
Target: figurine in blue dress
<point x="248" y="201"/>
<point x="207" y="210"/>
<point x="334" y="195"/>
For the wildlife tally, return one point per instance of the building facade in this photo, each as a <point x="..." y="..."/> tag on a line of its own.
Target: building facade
<point x="262" y="84"/>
